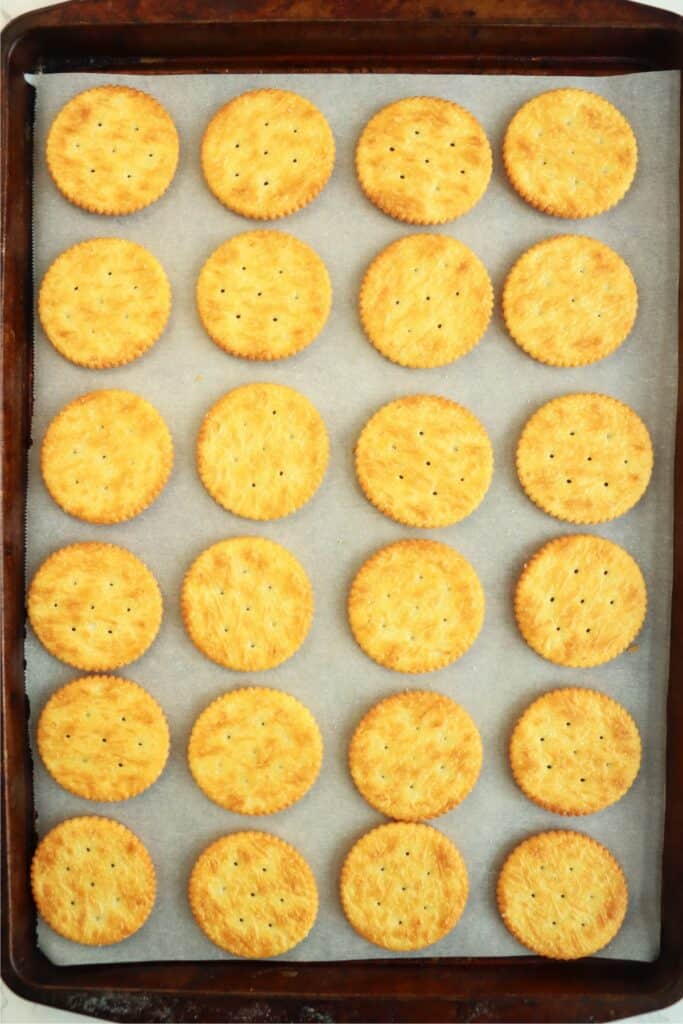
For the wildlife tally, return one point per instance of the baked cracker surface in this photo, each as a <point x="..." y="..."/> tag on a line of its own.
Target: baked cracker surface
<point x="424" y="460"/>
<point x="112" y="149"/>
<point x="255" y="750"/>
<point x="580" y="601"/>
<point x="575" y="751"/>
<point x="253" y="894"/>
<point x="94" y="606"/>
<point x="425" y="301"/>
<point x="267" y="153"/>
<point x="262" y="451"/>
<point x="585" y="458"/>
<point x="570" y="153"/>
<point x="263" y="295"/>
<point x="415" y="755"/>
<point x="104" y="302"/>
<point x="93" y="881"/>
<point x="416" y="606"/>
<point x="562" y="894"/>
<point x="403" y="886"/>
<point x="424" y="160"/>
<point x="247" y="603"/>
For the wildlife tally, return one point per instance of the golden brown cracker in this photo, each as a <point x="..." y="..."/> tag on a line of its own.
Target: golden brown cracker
<point x="580" y="601"/>
<point x="570" y="301"/>
<point x="562" y="894"/>
<point x="415" y="755"/>
<point x="255" y="750"/>
<point x="424" y="160"/>
<point x="262" y="451"/>
<point x="104" y="302"/>
<point x="416" y="605"/>
<point x="95" y="606"/>
<point x="247" y="603"/>
<point x="263" y="295"/>
<point x="585" y="458"/>
<point x="403" y="886"/>
<point x="93" y="881"/>
<point x="425" y="301"/>
<point x="103" y="738"/>
<point x="424" y="460"/>
<point x="267" y="153"/>
<point x="575" y="751"/>
<point x="112" y="150"/>
<point x="570" y="153"/>
<point x="253" y="894"/>
<point x="106" y="456"/>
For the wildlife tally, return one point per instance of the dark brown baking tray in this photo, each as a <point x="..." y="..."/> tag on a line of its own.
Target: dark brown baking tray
<point x="161" y="36"/>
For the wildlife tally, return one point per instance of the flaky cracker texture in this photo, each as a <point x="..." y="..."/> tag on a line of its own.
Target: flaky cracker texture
<point x="93" y="881"/>
<point x="415" y="755"/>
<point x="562" y="895"/>
<point x="95" y="606"/>
<point x="575" y="751"/>
<point x="424" y="160"/>
<point x="570" y="153"/>
<point x="267" y="153"/>
<point x="106" y="456"/>
<point x="112" y="150"/>
<point x="103" y="738"/>
<point x="570" y="301"/>
<point x="104" y="302"/>
<point x="262" y="451"/>
<point x="253" y="894"/>
<point x="416" y="606"/>
<point x="255" y="750"/>
<point x="580" y="601"/>
<point x="585" y="458"/>
<point x="425" y="301"/>
<point x="263" y="295"/>
<point x="247" y="603"/>
<point x="424" y="460"/>
<point x="404" y="886"/>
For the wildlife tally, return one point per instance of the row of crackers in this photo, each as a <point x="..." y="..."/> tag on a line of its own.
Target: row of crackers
<point x="262" y="451"/>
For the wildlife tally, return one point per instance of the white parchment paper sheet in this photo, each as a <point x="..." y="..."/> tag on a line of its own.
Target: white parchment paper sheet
<point x="348" y="380"/>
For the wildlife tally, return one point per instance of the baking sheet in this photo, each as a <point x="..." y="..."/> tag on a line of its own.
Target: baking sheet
<point x="348" y="380"/>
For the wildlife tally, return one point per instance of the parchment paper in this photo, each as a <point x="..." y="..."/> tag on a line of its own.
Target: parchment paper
<point x="348" y="380"/>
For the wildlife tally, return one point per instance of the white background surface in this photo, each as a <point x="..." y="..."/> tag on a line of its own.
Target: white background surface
<point x="14" y="1009"/>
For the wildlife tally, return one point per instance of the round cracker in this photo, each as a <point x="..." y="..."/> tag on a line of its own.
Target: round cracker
<point x="424" y="160"/>
<point x="575" y="751"/>
<point x="267" y="153"/>
<point x="570" y="153"/>
<point x="93" y="881"/>
<point x="262" y="451"/>
<point x="425" y="301"/>
<point x="585" y="458"/>
<point x="103" y="738"/>
<point x="415" y="755"/>
<point x="562" y="895"/>
<point x="247" y="603"/>
<point x="94" y="606"/>
<point x="253" y="894"/>
<point x="580" y="601"/>
<point x="570" y="301"/>
<point x="424" y="461"/>
<point x="404" y="886"/>
<point x="104" y="302"/>
<point x="263" y="295"/>
<point x="106" y="456"/>
<point x="112" y="149"/>
<point x="416" y="606"/>
<point x="255" y="751"/>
